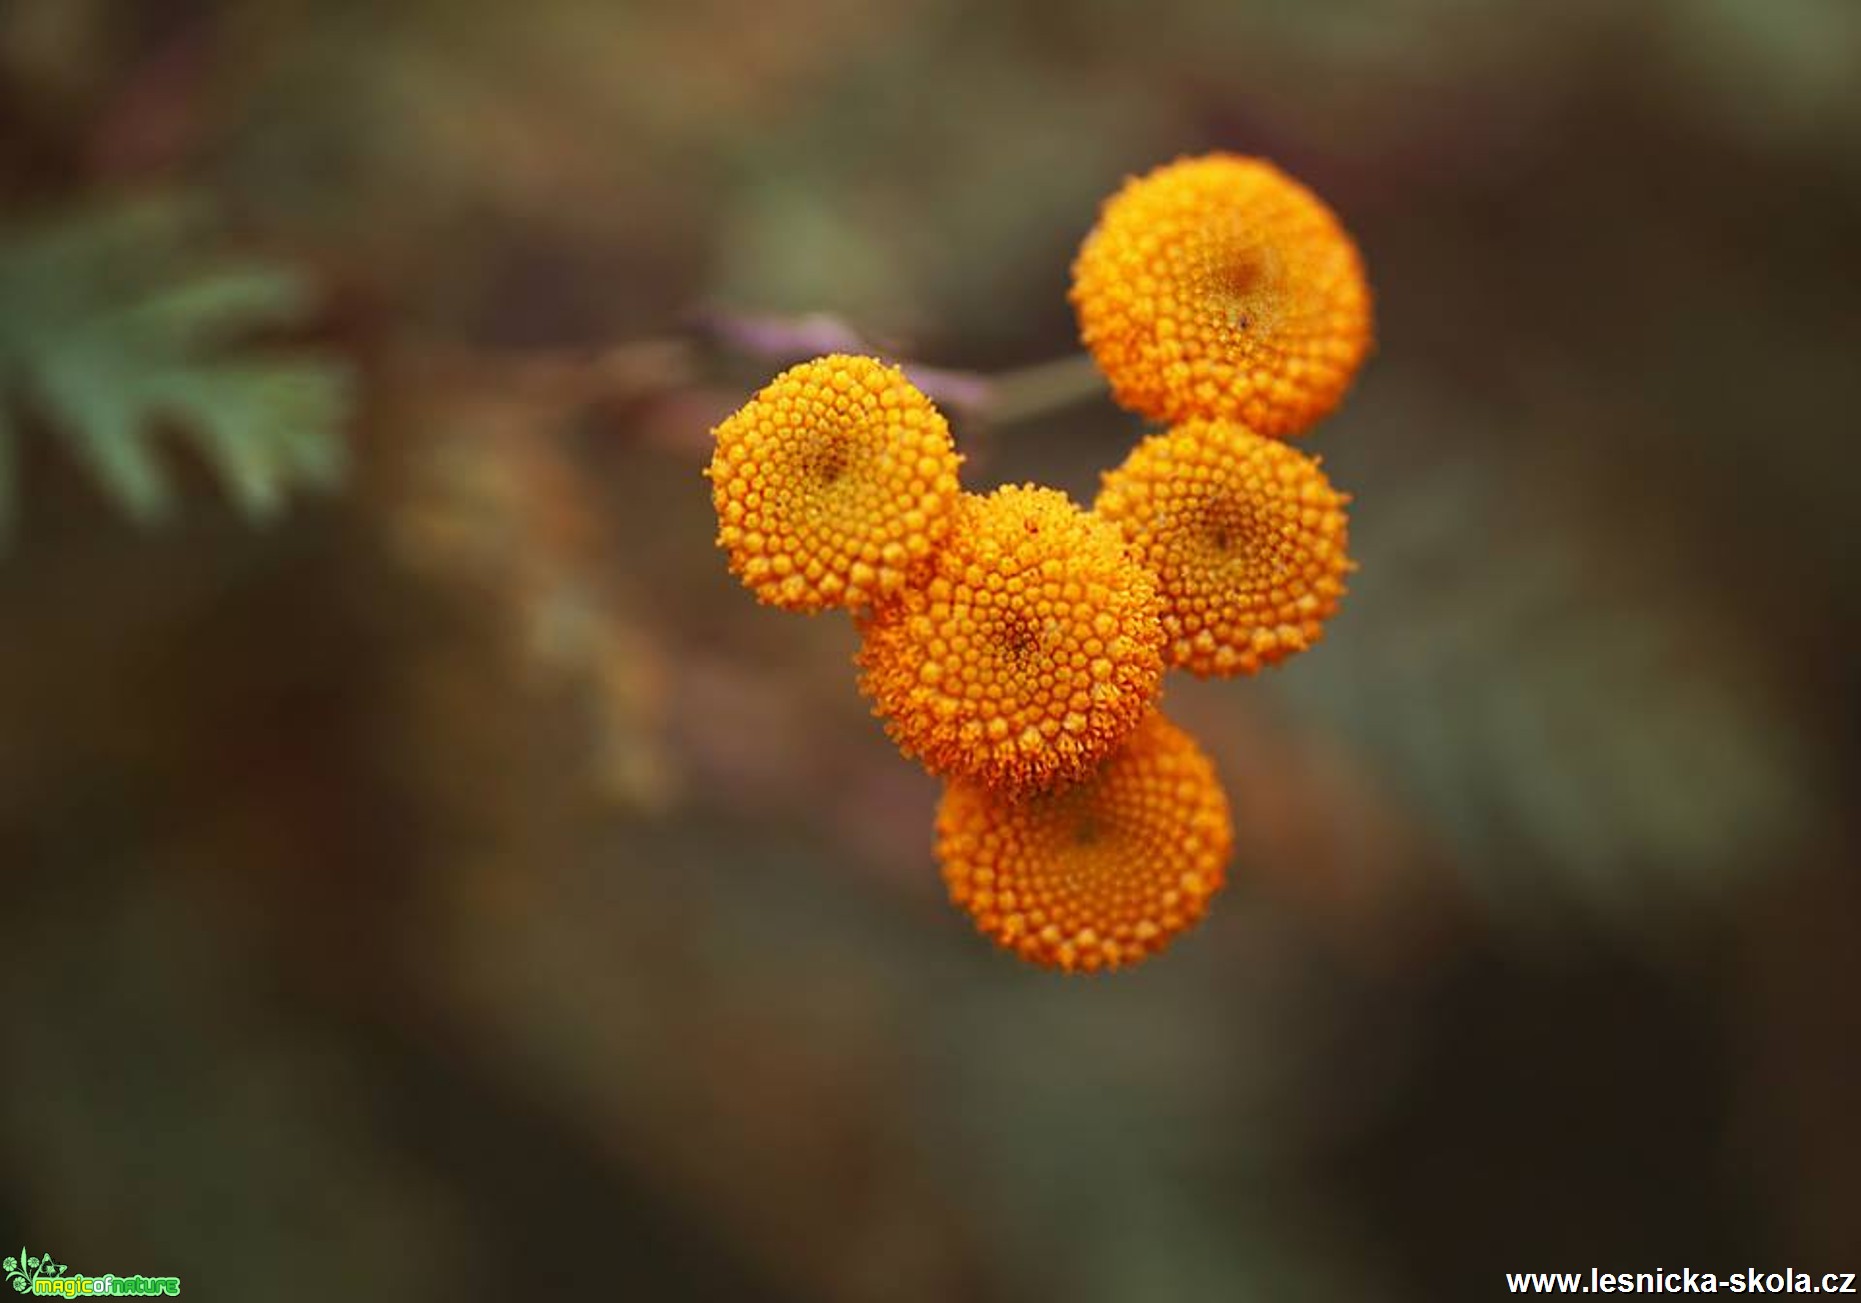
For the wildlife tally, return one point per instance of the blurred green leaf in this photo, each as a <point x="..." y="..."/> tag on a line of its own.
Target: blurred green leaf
<point x="7" y="455"/>
<point x="116" y="324"/>
<point x="1568" y="711"/>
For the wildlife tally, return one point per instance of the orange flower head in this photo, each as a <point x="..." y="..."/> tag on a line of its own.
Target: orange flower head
<point x="832" y="483"/>
<point x="1100" y="873"/>
<point x="1219" y="286"/>
<point x="1247" y="539"/>
<point x="1029" y="652"/>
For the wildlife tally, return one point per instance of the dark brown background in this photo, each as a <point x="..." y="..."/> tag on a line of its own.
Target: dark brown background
<point x="461" y="887"/>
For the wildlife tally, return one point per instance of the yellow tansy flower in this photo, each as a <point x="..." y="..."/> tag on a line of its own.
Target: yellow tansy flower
<point x="1220" y="287"/>
<point x="1031" y="649"/>
<point x="832" y="483"/>
<point x="1100" y="873"/>
<point x="1246" y="536"/>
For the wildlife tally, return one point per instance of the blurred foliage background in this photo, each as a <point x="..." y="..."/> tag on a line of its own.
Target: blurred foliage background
<point x="426" y="874"/>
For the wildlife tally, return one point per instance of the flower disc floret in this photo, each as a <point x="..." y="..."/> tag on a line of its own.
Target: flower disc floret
<point x="1101" y="873"/>
<point x="1247" y="539"/>
<point x="1031" y="650"/>
<point x="1220" y="287"/>
<point x="832" y="483"/>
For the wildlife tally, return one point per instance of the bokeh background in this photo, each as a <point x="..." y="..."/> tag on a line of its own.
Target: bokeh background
<point x="425" y="873"/>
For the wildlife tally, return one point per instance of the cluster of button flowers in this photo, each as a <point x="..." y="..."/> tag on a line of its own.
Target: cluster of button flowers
<point x="1014" y="642"/>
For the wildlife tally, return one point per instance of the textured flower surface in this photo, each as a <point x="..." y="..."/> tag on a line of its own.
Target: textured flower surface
<point x="1219" y="286"/>
<point x="1245" y="535"/>
<point x="1096" y="874"/>
<point x="1032" y="649"/>
<point x="832" y="483"/>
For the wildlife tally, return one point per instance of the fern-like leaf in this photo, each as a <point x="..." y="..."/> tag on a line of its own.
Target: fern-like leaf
<point x="114" y="325"/>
